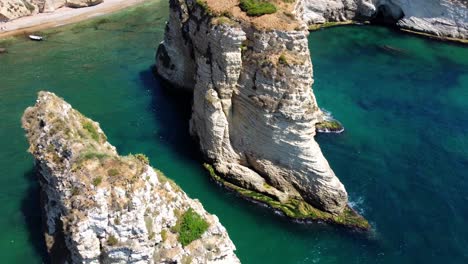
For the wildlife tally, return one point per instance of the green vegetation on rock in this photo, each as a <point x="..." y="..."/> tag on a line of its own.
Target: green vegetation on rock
<point x="113" y="172"/>
<point x="314" y="27"/>
<point x="92" y="154"/>
<point x="329" y="126"/>
<point x="88" y="126"/>
<point x="295" y="208"/>
<point x="257" y="7"/>
<point x="97" y="181"/>
<point x="190" y="226"/>
<point x="204" y="5"/>
<point x="164" y="235"/>
<point x="143" y="158"/>
<point x="282" y="59"/>
<point x="112" y="241"/>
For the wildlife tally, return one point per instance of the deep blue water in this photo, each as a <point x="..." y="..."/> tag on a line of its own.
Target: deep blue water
<point x="404" y="155"/>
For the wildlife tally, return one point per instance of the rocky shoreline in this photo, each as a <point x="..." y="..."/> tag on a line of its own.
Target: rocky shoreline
<point x="296" y="210"/>
<point x="441" y="19"/>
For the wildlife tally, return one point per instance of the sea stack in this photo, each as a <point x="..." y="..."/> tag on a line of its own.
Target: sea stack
<point x="100" y="207"/>
<point x="254" y="113"/>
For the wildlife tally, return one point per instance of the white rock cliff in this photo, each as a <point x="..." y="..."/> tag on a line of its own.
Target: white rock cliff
<point x="254" y="112"/>
<point x="100" y="207"/>
<point x="444" y="18"/>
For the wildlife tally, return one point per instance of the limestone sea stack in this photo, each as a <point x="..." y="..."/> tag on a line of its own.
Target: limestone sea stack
<point x="100" y="207"/>
<point x="254" y="112"/>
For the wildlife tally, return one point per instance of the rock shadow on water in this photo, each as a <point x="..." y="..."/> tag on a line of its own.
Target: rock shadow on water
<point x="172" y="109"/>
<point x="32" y="212"/>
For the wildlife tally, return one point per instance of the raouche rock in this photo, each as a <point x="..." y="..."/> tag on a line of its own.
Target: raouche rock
<point x="11" y="9"/>
<point x="444" y="18"/>
<point x="254" y="112"/>
<point x="100" y="207"/>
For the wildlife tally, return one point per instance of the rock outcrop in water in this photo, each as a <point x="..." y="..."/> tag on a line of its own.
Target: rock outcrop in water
<point x="254" y="112"/>
<point x="100" y="207"/>
<point x="11" y="9"/>
<point x="444" y="18"/>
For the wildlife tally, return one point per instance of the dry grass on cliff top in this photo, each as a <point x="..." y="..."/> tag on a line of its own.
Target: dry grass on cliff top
<point x="282" y="19"/>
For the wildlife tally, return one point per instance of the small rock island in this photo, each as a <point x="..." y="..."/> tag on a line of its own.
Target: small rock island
<point x="100" y="207"/>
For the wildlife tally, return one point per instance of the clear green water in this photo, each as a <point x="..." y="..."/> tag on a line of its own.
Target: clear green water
<point x="403" y="157"/>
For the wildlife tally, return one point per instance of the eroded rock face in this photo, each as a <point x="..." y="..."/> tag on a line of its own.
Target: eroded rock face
<point x="445" y="18"/>
<point x="82" y="3"/>
<point x="11" y="9"/>
<point x="254" y="112"/>
<point x="100" y="207"/>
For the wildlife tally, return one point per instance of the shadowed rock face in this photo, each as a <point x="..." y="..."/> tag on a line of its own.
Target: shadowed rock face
<point x="445" y="18"/>
<point x="254" y="112"/>
<point x="100" y="207"/>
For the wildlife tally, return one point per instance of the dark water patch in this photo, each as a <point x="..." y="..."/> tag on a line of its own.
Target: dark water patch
<point x="177" y="108"/>
<point x="32" y="212"/>
<point x="403" y="149"/>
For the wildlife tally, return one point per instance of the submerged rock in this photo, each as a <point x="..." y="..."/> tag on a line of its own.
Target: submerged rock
<point x="254" y="112"/>
<point x="329" y="126"/>
<point x="100" y="207"/>
<point x="392" y="50"/>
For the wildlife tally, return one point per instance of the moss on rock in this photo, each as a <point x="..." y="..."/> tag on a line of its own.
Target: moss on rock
<point x="295" y="208"/>
<point x="329" y="126"/>
<point x="314" y="27"/>
<point x="257" y="7"/>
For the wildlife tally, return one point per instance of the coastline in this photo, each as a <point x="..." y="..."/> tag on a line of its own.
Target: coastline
<point x="62" y="16"/>
<point x="315" y="27"/>
<point x="434" y="37"/>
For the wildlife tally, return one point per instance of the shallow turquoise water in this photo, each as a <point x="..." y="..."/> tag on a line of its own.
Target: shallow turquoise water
<point x="403" y="156"/>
